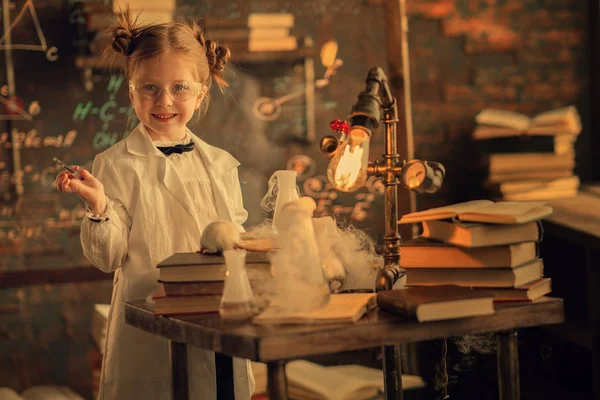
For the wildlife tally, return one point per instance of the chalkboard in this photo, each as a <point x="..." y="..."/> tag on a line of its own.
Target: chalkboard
<point x="48" y="111"/>
<point x="74" y="113"/>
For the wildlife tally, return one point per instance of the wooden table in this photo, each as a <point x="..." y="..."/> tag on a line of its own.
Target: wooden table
<point x="274" y="345"/>
<point x="577" y="221"/>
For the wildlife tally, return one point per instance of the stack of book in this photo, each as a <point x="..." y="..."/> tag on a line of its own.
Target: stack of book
<point x="529" y="158"/>
<point x="308" y="380"/>
<point x="192" y="283"/>
<point x="260" y="32"/>
<point x="490" y="247"/>
<point x="99" y="17"/>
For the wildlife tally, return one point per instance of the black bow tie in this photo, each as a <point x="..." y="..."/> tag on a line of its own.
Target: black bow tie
<point x="179" y="148"/>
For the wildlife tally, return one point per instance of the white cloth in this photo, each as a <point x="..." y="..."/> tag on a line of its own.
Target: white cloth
<point x="193" y="173"/>
<point x="153" y="214"/>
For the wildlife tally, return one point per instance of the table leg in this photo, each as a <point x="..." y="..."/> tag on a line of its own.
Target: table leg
<point x="224" y="375"/>
<point x="179" y="372"/>
<point x="508" y="366"/>
<point x="392" y="372"/>
<point x="277" y="381"/>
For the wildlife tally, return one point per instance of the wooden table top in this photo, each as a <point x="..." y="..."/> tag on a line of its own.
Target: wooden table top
<point x="577" y="219"/>
<point x="270" y="343"/>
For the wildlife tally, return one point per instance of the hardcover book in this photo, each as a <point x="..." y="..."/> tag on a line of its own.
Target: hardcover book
<point x="527" y="292"/>
<point x="501" y="212"/>
<point x="436" y="302"/>
<point x="198" y="267"/>
<point x="423" y="253"/>
<point x="501" y="123"/>
<point x="479" y="235"/>
<point x="476" y="277"/>
<point x="183" y="304"/>
<point x="546" y="144"/>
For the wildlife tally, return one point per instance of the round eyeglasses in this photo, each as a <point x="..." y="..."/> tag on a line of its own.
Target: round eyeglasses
<point x="178" y="90"/>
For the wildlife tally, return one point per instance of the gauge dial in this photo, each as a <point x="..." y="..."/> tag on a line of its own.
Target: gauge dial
<point x="414" y="174"/>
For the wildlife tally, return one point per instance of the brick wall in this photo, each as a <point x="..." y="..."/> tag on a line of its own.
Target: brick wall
<point x="526" y="56"/>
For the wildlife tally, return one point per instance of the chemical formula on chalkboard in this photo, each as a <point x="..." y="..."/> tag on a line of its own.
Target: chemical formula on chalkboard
<point x="32" y="139"/>
<point x="106" y="112"/>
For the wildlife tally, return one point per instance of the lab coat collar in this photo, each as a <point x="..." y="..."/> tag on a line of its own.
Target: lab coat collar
<point x="217" y="162"/>
<point x="215" y="159"/>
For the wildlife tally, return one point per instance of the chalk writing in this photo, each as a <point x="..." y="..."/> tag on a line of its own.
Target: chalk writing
<point x="12" y="106"/>
<point x="269" y="109"/>
<point x="327" y="197"/>
<point x="106" y="112"/>
<point x="6" y="43"/>
<point x="43" y="178"/>
<point x="38" y="229"/>
<point x="31" y="139"/>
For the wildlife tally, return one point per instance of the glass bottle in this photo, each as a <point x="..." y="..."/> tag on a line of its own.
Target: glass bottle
<point x="296" y="265"/>
<point x="326" y="234"/>
<point x="237" y="301"/>
<point x="282" y="190"/>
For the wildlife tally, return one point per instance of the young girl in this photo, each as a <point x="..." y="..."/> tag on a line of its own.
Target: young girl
<point x="152" y="195"/>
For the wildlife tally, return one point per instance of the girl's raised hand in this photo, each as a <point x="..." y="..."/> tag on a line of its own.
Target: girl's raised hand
<point x="89" y="189"/>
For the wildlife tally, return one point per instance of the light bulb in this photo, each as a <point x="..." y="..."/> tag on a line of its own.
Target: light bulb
<point x="347" y="170"/>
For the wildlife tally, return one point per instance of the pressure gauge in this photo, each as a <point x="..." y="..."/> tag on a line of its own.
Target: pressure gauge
<point x="422" y="177"/>
<point x="413" y="173"/>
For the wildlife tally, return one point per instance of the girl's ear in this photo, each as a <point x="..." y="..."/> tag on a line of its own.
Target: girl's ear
<point x="203" y="92"/>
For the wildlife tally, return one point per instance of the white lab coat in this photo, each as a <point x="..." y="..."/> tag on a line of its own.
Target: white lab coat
<point x="152" y="217"/>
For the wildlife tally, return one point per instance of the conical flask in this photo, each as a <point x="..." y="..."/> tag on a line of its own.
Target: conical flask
<point x="237" y="301"/>
<point x="296" y="265"/>
<point x="326" y="234"/>
<point x="282" y="190"/>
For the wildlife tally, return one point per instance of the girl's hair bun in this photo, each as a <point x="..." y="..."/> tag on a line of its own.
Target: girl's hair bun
<point x="217" y="56"/>
<point x="122" y="40"/>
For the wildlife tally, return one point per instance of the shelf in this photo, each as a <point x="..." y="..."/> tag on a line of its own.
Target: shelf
<point x="271" y="56"/>
<point x="13" y="279"/>
<point x="98" y="63"/>
<point x="237" y="57"/>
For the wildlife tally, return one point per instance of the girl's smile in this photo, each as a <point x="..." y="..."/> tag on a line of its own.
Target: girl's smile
<point x="164" y="117"/>
<point x="161" y="95"/>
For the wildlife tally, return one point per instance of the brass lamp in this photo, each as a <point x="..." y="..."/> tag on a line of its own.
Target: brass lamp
<point x="349" y="166"/>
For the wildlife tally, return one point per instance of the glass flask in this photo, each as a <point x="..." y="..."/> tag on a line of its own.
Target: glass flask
<point x="282" y="190"/>
<point x="237" y="301"/>
<point x="296" y="265"/>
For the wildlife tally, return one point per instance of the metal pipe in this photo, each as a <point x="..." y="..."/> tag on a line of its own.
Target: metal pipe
<point x="277" y="380"/>
<point x="392" y="372"/>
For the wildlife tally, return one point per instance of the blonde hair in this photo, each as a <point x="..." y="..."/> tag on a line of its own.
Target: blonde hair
<point x="184" y="38"/>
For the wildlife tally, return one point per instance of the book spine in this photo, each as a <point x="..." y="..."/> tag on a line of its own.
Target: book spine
<point x="397" y="306"/>
<point x="287" y="43"/>
<point x="193" y="289"/>
<point x="282" y="20"/>
<point x="519" y="144"/>
<point x="228" y="34"/>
